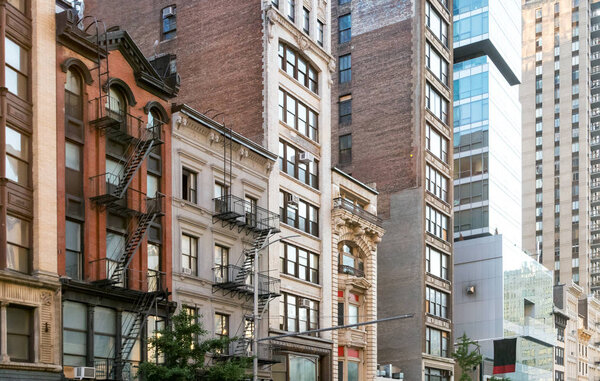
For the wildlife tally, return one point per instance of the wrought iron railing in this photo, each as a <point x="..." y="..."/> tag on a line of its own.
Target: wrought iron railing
<point x="234" y="277"/>
<point x="243" y="213"/>
<point x="344" y="269"/>
<point x="353" y="208"/>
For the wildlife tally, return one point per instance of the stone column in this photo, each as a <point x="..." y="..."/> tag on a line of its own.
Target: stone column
<point x="3" y="333"/>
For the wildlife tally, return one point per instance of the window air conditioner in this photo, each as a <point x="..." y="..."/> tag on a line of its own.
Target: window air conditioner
<point x="306" y="157"/>
<point x="84" y="372"/>
<point x="187" y="271"/>
<point x="169" y="11"/>
<point x="304" y="303"/>
<point x="292" y="200"/>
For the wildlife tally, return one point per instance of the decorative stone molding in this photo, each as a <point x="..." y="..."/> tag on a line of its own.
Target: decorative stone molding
<point x="303" y="43"/>
<point x="243" y="152"/>
<point x="181" y="121"/>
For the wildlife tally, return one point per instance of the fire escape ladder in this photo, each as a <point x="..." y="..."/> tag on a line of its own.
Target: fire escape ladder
<point x="137" y="157"/>
<point x="135" y="238"/>
<point x="135" y="325"/>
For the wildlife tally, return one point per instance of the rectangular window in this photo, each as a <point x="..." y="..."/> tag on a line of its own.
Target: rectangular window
<point x="19" y="327"/>
<point x="169" y="22"/>
<point x="189" y="253"/>
<point x="221" y="263"/>
<point x="305" y="169"/>
<point x="436" y="183"/>
<point x="105" y="332"/>
<point x="436" y="342"/>
<point x="320" y="32"/>
<point x="74" y="249"/>
<point x="437" y="64"/>
<point x="221" y="326"/>
<point x="298" y="116"/>
<point x="298" y="213"/>
<point x="299" y="263"/>
<point x="559" y="356"/>
<point x="345" y="63"/>
<point x="345" y="148"/>
<point x="432" y="374"/>
<point x="345" y="109"/>
<point x="306" y="20"/>
<point x="16" y="70"/>
<point x="436" y="302"/>
<point x="17" y="244"/>
<point x="298" y="314"/>
<point x="435" y="103"/>
<point x="341" y="313"/>
<point x="189" y="185"/>
<point x="74" y="333"/>
<point x="436" y="263"/>
<point x="17" y="156"/>
<point x="344" y="28"/>
<point x="291" y="10"/>
<point x="436" y="223"/>
<point x="436" y="24"/>
<point x="437" y="144"/>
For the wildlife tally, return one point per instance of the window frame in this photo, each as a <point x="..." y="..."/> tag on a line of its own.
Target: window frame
<point x="306" y="20"/>
<point x="345" y="154"/>
<point x="29" y="335"/>
<point x="192" y="185"/>
<point x="312" y="131"/>
<point x="172" y="23"/>
<point x="436" y="302"/>
<point x="310" y="226"/>
<point x="436" y="183"/>
<point x="23" y="53"/>
<point x="311" y="274"/>
<point x="311" y="76"/>
<point x="345" y="72"/>
<point x="285" y="318"/>
<point x="192" y="255"/>
<point x="345" y="28"/>
<point x="437" y="223"/>
<point x="311" y="170"/>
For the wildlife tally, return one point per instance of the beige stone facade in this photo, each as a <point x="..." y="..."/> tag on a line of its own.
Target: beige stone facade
<point x="554" y="98"/>
<point x="356" y="231"/>
<point x="30" y="308"/>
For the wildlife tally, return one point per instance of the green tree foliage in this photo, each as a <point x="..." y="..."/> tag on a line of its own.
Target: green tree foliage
<point x="466" y="358"/>
<point x="182" y="352"/>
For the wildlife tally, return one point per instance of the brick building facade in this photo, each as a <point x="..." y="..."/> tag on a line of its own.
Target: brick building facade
<point x="113" y="182"/>
<point x="391" y="125"/>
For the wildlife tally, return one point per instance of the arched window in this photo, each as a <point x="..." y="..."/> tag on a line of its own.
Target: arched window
<point x="298" y="67"/>
<point x="350" y="261"/>
<point x="74" y="174"/>
<point x="115" y="102"/>
<point x="73" y="95"/>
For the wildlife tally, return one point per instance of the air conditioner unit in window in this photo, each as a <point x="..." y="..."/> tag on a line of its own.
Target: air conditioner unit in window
<point x="292" y="200"/>
<point x="82" y="372"/>
<point x="168" y="11"/>
<point x="306" y="157"/>
<point x="187" y="271"/>
<point x="304" y="303"/>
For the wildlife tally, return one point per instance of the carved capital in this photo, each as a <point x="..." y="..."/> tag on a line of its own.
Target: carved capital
<point x="181" y="121"/>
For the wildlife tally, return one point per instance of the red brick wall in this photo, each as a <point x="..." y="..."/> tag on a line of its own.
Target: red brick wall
<point x="219" y="52"/>
<point x="94" y="163"/>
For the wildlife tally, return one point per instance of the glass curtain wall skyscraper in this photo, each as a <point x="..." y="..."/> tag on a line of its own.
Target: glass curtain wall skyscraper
<point x="487" y="123"/>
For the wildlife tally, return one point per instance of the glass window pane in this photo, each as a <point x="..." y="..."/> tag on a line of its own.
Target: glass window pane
<point x="17" y="144"/>
<point x="352" y="371"/>
<point x="15" y="55"/>
<point x="152" y="185"/>
<point x="302" y="368"/>
<point x="18" y="347"/>
<point x="74" y="342"/>
<point x="72" y="156"/>
<point x="74" y="315"/>
<point x="105" y="320"/>
<point x="153" y="257"/>
<point x="103" y="346"/>
<point x="16" y="170"/>
<point x="17" y="231"/>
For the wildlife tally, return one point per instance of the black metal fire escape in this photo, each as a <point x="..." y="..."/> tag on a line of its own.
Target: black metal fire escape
<point x="113" y="192"/>
<point x="237" y="281"/>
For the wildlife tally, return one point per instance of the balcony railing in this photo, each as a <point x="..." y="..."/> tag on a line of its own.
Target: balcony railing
<point x="242" y="213"/>
<point x="239" y="280"/>
<point x="344" y="269"/>
<point x="106" y="114"/>
<point x="136" y="280"/>
<point x="342" y="203"/>
<point x="105" y="190"/>
<point x="243" y="348"/>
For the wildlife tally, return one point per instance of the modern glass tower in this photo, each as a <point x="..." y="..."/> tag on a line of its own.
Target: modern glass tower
<point x="487" y="119"/>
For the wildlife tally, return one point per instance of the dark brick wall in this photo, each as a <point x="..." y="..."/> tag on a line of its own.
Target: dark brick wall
<point x="383" y="128"/>
<point x="219" y="52"/>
